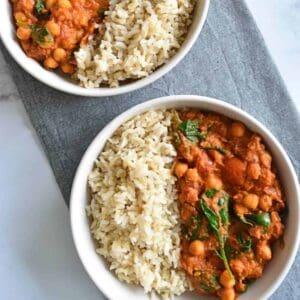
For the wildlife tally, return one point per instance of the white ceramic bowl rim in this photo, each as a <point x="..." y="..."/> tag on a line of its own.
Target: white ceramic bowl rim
<point x="56" y="81"/>
<point x="80" y="228"/>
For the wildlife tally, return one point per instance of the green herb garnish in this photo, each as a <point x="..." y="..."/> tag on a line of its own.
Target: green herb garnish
<point x="214" y="221"/>
<point x="224" y="216"/>
<point x="219" y="149"/>
<point x="193" y="229"/>
<point x="262" y="219"/>
<point x="210" y="284"/>
<point x="191" y="130"/>
<point x="39" y="6"/>
<point x="230" y="253"/>
<point x="245" y="244"/>
<point x="211" y="192"/>
<point x="41" y="36"/>
<point x="177" y="139"/>
<point x="205" y="287"/>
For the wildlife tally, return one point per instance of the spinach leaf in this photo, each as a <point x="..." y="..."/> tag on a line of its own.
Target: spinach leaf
<point x="210" y="284"/>
<point x="245" y="244"/>
<point x="224" y="216"/>
<point x="193" y="229"/>
<point x="191" y="130"/>
<point x="262" y="219"/>
<point x="215" y="280"/>
<point x="211" y="192"/>
<point x="211" y="216"/>
<point x="224" y="211"/>
<point x="205" y="287"/>
<point x="177" y="139"/>
<point x="41" y="35"/>
<point x="39" y="6"/>
<point x="230" y="253"/>
<point x="213" y="219"/>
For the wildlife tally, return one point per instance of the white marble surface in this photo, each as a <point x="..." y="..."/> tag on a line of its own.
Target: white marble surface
<point x="37" y="256"/>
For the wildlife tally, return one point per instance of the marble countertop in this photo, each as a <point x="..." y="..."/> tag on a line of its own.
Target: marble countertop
<point x="37" y="256"/>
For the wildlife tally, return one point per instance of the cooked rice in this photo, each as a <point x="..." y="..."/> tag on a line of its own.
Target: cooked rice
<point x="139" y="36"/>
<point x="134" y="216"/>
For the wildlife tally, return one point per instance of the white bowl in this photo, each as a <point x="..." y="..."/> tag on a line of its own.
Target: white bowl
<point x="96" y="267"/>
<point x="59" y="82"/>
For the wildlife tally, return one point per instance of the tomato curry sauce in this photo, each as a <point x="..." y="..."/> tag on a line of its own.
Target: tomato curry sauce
<point x="50" y="30"/>
<point x="230" y="202"/>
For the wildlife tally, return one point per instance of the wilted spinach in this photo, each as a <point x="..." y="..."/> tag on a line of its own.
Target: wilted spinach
<point x="190" y="128"/>
<point x="39" y="6"/>
<point x="214" y="221"/>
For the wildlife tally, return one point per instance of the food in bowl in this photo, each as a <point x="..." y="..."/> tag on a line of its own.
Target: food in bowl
<point x="102" y="42"/>
<point x="185" y="190"/>
<point x="51" y="30"/>
<point x="134" y="215"/>
<point x="230" y="201"/>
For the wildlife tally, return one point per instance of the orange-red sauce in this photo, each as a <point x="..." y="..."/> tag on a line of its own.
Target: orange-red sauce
<point x="50" y="30"/>
<point x="225" y="160"/>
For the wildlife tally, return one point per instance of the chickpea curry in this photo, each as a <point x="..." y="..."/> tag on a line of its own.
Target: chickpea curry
<point x="51" y="30"/>
<point x="230" y="202"/>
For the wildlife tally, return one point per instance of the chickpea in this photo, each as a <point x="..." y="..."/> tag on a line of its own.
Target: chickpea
<point x="194" y="151"/>
<point x="265" y="202"/>
<point x="47" y="45"/>
<point x="50" y="63"/>
<point x="84" y="21"/>
<point x="23" y="33"/>
<point x="238" y="267"/>
<point x="192" y="175"/>
<point x="227" y="294"/>
<point x="192" y="195"/>
<point x="180" y="169"/>
<point x="240" y="209"/>
<point x="240" y="287"/>
<point x="250" y="201"/>
<point x="64" y="4"/>
<point x="28" y="5"/>
<point x="227" y="280"/>
<point x="237" y="129"/>
<point x="267" y="176"/>
<point x="67" y="68"/>
<point x="253" y="170"/>
<point x="265" y="159"/>
<point x="20" y="17"/>
<point x="263" y="250"/>
<point x="213" y="182"/>
<point x="59" y="54"/>
<point x="50" y="3"/>
<point x="196" y="248"/>
<point x="53" y="28"/>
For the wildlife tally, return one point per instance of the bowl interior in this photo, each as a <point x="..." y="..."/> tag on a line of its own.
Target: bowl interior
<point x="63" y="83"/>
<point x="96" y="267"/>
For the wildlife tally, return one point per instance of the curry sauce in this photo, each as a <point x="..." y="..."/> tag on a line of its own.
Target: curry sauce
<point x="230" y="202"/>
<point x="51" y="30"/>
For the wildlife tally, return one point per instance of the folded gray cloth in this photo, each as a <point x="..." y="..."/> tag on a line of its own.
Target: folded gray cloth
<point x="229" y="61"/>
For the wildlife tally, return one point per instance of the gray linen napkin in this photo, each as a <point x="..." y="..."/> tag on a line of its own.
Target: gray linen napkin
<point x="229" y="61"/>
